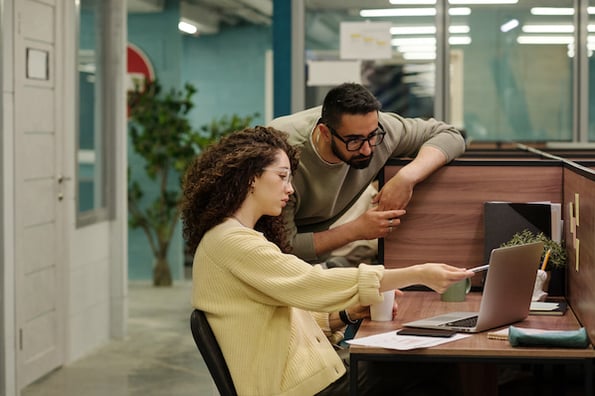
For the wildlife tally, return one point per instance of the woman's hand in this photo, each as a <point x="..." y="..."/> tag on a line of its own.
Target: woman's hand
<point x="439" y="277"/>
<point x="398" y="293"/>
<point x="358" y="311"/>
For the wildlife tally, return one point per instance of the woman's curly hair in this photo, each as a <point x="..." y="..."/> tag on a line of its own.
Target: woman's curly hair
<point x="218" y="180"/>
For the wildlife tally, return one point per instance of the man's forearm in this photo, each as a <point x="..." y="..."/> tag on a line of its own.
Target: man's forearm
<point x="331" y="239"/>
<point x="428" y="160"/>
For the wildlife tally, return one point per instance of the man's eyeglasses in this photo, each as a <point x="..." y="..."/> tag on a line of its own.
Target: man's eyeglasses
<point x="284" y="174"/>
<point x="356" y="143"/>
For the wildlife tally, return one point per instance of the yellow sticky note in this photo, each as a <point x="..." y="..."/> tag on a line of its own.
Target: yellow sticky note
<point x="572" y="225"/>
<point x="576" y="207"/>
<point x="576" y="253"/>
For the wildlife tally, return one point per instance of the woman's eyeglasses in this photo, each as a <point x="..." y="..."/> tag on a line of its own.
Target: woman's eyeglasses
<point x="284" y="173"/>
<point x="356" y="143"/>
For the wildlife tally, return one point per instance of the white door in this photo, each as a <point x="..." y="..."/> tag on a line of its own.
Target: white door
<point x="39" y="241"/>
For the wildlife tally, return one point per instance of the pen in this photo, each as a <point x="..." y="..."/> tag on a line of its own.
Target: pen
<point x="480" y="268"/>
<point x="545" y="259"/>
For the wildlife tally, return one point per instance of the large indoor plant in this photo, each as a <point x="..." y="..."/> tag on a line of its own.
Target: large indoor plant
<point x="162" y="135"/>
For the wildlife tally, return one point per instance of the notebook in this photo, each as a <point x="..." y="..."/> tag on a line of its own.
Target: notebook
<point x="506" y="294"/>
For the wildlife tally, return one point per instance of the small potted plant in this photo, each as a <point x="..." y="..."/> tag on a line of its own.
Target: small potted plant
<point x="556" y="263"/>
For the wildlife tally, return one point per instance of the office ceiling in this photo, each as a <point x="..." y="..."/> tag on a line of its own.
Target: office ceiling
<point x="217" y="13"/>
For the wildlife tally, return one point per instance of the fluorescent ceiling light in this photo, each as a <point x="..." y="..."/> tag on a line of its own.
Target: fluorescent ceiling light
<point x="386" y="12"/>
<point x="459" y="40"/>
<point x="423" y="41"/>
<point x="417" y="48"/>
<point x="552" y="11"/>
<point x="591" y="28"/>
<point x="459" y="29"/>
<point x="187" y="27"/>
<point x="461" y="2"/>
<point x="459" y="11"/>
<point x="548" y="28"/>
<point x="412" y="2"/>
<point x="545" y="39"/>
<point x="419" y="55"/>
<point x="396" y="30"/>
<point x="508" y="26"/>
<point x="414" y="41"/>
<point x="426" y="29"/>
<point x="397" y="12"/>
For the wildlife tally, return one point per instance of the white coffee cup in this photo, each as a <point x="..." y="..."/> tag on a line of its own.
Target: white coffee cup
<point x="383" y="311"/>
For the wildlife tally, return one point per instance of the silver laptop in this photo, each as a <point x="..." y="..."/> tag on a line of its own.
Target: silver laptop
<point x="506" y="295"/>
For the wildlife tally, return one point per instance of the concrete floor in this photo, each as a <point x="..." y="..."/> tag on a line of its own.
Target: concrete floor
<point x="158" y="357"/>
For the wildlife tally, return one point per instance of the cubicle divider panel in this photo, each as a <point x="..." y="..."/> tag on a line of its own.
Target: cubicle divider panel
<point x="579" y="190"/>
<point x="444" y="220"/>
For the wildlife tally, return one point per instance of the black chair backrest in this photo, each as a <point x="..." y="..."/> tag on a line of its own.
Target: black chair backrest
<point x="211" y="353"/>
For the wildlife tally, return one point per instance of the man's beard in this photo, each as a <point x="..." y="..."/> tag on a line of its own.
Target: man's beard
<point x="357" y="162"/>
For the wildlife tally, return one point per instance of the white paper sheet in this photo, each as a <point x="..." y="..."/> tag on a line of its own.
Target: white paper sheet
<point x="365" y="40"/>
<point x="391" y="340"/>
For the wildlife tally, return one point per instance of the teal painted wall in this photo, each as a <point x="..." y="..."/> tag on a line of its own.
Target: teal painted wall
<point x="227" y="68"/>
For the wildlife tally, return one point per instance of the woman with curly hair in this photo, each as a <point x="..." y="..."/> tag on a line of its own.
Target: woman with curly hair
<point x="274" y="314"/>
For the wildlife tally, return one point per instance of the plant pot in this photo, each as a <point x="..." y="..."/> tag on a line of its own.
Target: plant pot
<point x="161" y="273"/>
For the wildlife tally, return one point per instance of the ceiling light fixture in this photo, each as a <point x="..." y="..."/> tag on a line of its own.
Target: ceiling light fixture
<point x="398" y="30"/>
<point x="459" y="40"/>
<point x="412" y="2"/>
<point x="416" y="48"/>
<point x="187" y="27"/>
<point x="395" y="12"/>
<point x="427" y="29"/>
<point x="548" y="28"/>
<point x="419" y="55"/>
<point x="482" y="2"/>
<point x="459" y="29"/>
<point x="485" y="2"/>
<point x="552" y="11"/>
<point x="398" y="12"/>
<point x="545" y="40"/>
<point x="427" y="41"/>
<point x="508" y="26"/>
<point x="459" y="11"/>
<point x="413" y="41"/>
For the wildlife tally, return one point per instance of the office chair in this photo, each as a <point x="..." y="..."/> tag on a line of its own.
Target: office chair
<point x="211" y="353"/>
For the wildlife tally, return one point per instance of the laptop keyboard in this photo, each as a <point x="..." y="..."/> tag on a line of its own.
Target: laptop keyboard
<point x="467" y="322"/>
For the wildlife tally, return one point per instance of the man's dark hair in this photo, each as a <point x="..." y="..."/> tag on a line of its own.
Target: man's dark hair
<point x="347" y="98"/>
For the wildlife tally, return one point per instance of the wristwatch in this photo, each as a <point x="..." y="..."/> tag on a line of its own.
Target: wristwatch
<point x="346" y="319"/>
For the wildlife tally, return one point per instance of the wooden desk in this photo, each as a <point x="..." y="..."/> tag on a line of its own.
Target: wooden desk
<point x="478" y="348"/>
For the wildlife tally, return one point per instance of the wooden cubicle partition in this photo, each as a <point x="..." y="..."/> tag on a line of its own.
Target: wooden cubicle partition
<point x="579" y="188"/>
<point x="444" y="220"/>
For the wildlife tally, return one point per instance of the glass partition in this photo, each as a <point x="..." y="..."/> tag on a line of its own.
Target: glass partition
<point x="509" y="71"/>
<point x="517" y="72"/>
<point x="404" y="82"/>
<point x="91" y="197"/>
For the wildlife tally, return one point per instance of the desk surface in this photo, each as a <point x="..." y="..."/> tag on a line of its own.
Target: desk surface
<point x="419" y="304"/>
